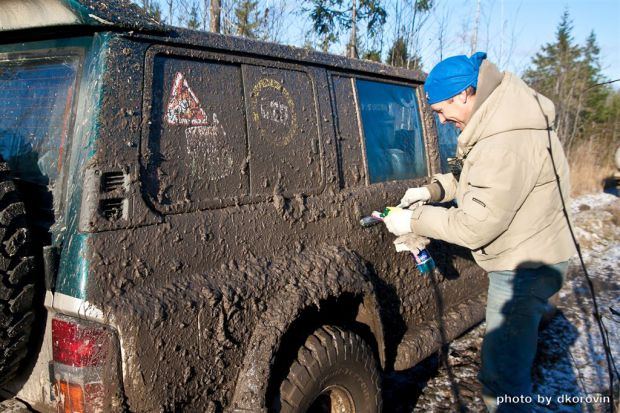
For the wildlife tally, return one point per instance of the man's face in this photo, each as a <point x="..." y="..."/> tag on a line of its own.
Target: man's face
<point x="456" y="110"/>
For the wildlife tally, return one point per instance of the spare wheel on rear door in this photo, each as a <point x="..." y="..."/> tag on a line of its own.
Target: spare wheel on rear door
<point x="17" y="279"/>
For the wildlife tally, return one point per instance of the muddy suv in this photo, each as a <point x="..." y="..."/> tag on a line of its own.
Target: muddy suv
<point x="180" y="220"/>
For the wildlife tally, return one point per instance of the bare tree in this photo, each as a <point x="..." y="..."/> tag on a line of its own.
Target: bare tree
<point x="227" y="16"/>
<point x="505" y="50"/>
<point x="464" y="35"/>
<point x="487" y="17"/>
<point x="474" y="34"/>
<point x="170" y="4"/>
<point x="418" y="14"/>
<point x="442" y="18"/>
<point x="187" y="12"/>
<point x="216" y="10"/>
<point x="352" y="46"/>
<point x="405" y="49"/>
<point x="205" y="14"/>
<point x="275" y="15"/>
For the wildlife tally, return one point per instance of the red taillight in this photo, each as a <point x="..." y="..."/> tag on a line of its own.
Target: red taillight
<point x="78" y="346"/>
<point x="85" y="366"/>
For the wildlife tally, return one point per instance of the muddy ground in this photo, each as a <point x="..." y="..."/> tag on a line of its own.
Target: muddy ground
<point x="570" y="360"/>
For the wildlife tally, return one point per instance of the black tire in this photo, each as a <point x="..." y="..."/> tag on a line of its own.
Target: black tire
<point x="17" y="280"/>
<point x="335" y="371"/>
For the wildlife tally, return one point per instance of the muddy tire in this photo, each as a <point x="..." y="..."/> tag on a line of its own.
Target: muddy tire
<point x="335" y="371"/>
<point x="17" y="281"/>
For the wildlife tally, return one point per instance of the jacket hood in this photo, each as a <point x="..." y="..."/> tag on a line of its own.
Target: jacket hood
<point x="504" y="103"/>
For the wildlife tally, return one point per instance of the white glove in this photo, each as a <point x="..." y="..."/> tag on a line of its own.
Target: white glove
<point x="415" y="196"/>
<point x="411" y="242"/>
<point x="398" y="221"/>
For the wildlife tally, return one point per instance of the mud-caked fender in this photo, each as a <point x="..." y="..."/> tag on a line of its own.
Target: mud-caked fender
<point x="313" y="277"/>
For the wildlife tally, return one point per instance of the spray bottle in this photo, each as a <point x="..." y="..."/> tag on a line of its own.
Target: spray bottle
<point x="423" y="259"/>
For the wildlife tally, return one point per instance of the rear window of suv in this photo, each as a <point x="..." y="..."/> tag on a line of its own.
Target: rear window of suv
<point x="392" y="127"/>
<point x="36" y="100"/>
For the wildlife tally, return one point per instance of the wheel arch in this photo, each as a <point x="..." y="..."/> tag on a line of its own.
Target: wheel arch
<point x="350" y="303"/>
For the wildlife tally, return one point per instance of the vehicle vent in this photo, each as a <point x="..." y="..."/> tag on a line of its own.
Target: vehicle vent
<point x="112" y="209"/>
<point x="111" y="181"/>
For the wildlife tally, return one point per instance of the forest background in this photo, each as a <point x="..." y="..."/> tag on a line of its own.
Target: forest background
<point x="580" y="77"/>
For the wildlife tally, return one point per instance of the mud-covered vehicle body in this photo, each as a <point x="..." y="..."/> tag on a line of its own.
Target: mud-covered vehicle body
<point x="193" y="204"/>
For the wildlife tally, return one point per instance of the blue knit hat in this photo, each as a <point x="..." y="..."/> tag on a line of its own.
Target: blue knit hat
<point x="451" y="76"/>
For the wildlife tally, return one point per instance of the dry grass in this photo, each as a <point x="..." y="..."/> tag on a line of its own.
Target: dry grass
<point x="590" y="165"/>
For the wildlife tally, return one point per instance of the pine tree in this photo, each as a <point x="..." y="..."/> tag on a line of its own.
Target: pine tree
<point x="324" y="20"/>
<point x="570" y="75"/>
<point x="372" y="55"/>
<point x="331" y="17"/>
<point x="595" y="102"/>
<point x="557" y="73"/>
<point x="398" y="55"/>
<point x="153" y="8"/>
<point x="601" y="105"/>
<point x="249" y="20"/>
<point x="193" y="21"/>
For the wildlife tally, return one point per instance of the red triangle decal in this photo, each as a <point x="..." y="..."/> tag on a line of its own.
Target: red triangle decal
<point x="184" y="107"/>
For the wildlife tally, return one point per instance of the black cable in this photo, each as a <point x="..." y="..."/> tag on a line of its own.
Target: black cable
<point x="613" y="362"/>
<point x="603" y="83"/>
<point x="597" y="314"/>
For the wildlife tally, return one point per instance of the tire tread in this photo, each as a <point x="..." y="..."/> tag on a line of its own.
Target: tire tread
<point x="322" y="352"/>
<point x="17" y="282"/>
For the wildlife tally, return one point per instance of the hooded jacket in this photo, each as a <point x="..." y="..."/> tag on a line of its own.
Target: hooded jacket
<point x="509" y="211"/>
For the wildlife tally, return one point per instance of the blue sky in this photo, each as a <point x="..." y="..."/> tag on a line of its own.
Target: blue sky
<point x="536" y="23"/>
<point x="527" y="25"/>
<point x="511" y="31"/>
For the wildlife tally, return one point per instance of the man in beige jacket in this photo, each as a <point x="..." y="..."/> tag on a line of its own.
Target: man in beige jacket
<point x="508" y="210"/>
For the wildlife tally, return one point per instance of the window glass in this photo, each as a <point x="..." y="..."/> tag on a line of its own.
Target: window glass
<point x="283" y="131"/>
<point x="392" y="131"/>
<point x="197" y="147"/>
<point x="36" y="100"/>
<point x="447" y="135"/>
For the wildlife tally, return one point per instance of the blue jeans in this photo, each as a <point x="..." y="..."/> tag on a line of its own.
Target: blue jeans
<point x="516" y="302"/>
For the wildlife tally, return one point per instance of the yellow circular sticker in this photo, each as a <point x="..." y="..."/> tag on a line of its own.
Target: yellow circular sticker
<point x="274" y="111"/>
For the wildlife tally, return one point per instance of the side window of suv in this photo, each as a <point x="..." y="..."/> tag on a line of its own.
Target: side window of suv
<point x="221" y="131"/>
<point x="393" y="136"/>
<point x="197" y="146"/>
<point x="447" y="134"/>
<point x="283" y="131"/>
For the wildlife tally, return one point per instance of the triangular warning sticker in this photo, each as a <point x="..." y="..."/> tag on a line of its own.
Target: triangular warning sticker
<point x="184" y="107"/>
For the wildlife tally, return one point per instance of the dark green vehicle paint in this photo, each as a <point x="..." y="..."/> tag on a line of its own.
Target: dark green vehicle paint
<point x="74" y="267"/>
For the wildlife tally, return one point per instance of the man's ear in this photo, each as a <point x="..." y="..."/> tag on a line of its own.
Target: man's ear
<point x="463" y="96"/>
